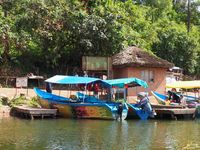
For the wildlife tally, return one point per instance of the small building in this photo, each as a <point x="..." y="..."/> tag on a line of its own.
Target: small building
<point x="174" y="74"/>
<point x="135" y="62"/>
<point x="99" y="67"/>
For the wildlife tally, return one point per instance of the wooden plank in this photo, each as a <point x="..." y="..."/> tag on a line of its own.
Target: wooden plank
<point x="175" y="112"/>
<point x="166" y="106"/>
<point x="35" y="112"/>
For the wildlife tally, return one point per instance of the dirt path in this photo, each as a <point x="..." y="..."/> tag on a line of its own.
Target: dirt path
<point x="13" y="92"/>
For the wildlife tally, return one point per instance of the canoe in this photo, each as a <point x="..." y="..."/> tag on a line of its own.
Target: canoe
<point x="78" y="109"/>
<point x="159" y="97"/>
<point x="190" y="98"/>
<point x="161" y="101"/>
<point x="162" y="98"/>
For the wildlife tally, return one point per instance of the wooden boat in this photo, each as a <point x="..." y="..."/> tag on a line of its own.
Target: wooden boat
<point x="134" y="112"/>
<point x="190" y="98"/>
<point x="87" y="107"/>
<point x="159" y="97"/>
<point x="162" y="98"/>
<point x="174" y="110"/>
<point x="166" y="106"/>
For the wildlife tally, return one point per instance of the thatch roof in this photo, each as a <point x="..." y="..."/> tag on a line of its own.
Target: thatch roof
<point x="134" y="56"/>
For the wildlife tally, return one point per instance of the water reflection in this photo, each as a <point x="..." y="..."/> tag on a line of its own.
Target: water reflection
<point x="61" y="134"/>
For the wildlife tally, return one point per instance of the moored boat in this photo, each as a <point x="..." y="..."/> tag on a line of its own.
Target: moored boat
<point x="134" y="112"/>
<point x="85" y="107"/>
<point x="161" y="99"/>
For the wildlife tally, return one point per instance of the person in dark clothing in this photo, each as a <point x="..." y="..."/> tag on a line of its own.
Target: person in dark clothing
<point x="48" y="87"/>
<point x="119" y="110"/>
<point x="174" y="97"/>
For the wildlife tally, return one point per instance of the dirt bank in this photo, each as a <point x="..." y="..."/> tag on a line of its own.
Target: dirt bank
<point x="4" y="111"/>
<point x="13" y="92"/>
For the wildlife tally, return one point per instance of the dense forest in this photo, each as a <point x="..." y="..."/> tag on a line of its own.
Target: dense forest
<point x="51" y="36"/>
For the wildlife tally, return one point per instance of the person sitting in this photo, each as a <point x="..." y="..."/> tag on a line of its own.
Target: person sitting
<point x="48" y="87"/>
<point x="144" y="103"/>
<point x="173" y="97"/>
<point x="183" y="101"/>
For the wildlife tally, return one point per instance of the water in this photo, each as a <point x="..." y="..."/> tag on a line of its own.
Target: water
<point x="69" y="134"/>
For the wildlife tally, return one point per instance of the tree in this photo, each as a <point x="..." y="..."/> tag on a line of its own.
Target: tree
<point x="176" y="46"/>
<point x="52" y="35"/>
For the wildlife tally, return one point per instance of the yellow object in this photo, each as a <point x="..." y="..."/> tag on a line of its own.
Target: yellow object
<point x="167" y="102"/>
<point x="185" y="84"/>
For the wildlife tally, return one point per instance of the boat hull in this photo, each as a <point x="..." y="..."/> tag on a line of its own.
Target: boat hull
<point x="79" y="109"/>
<point x="93" y="112"/>
<point x="63" y="110"/>
<point x="136" y="113"/>
<point x="161" y="99"/>
<point x="83" y="110"/>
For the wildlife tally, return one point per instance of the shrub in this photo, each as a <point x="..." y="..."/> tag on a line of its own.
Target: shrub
<point x="34" y="103"/>
<point x="17" y="101"/>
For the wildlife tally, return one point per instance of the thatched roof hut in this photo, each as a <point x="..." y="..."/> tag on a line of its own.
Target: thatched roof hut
<point x="134" y="56"/>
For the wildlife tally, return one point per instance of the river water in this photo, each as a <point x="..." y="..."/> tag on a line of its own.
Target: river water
<point x="69" y="134"/>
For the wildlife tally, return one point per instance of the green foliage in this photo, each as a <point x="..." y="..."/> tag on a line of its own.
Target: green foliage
<point x="17" y="101"/>
<point x="4" y="101"/>
<point x="51" y="36"/>
<point x="175" y="45"/>
<point x="1" y="103"/>
<point x="34" y="102"/>
<point x="22" y="100"/>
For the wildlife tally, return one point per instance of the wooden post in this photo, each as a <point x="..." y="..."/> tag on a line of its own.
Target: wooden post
<point x="15" y="92"/>
<point x="32" y="118"/>
<point x="27" y="91"/>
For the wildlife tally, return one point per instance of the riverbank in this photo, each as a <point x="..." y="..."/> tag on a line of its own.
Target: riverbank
<point x="16" y="92"/>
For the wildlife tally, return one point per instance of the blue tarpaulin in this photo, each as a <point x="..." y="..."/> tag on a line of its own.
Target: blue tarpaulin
<point x="62" y="79"/>
<point x="130" y="82"/>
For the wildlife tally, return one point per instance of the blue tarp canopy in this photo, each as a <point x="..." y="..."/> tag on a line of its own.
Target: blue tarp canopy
<point x="130" y="82"/>
<point x="62" y="79"/>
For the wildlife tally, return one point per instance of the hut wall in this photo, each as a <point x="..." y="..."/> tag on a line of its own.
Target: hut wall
<point x="120" y="73"/>
<point x="158" y="83"/>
